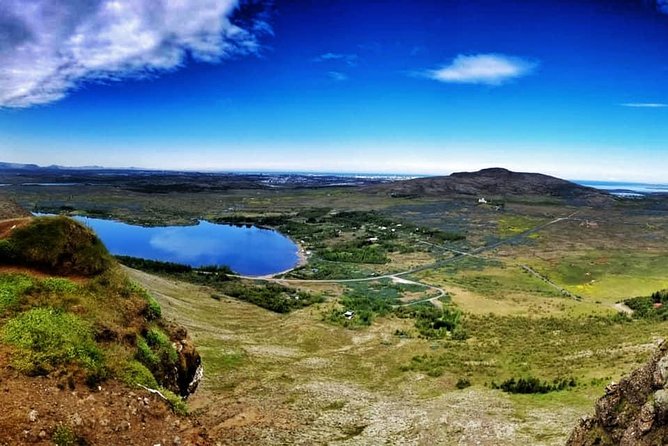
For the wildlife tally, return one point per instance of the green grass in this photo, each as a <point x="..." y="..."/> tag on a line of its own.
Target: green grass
<point x="510" y="225"/>
<point x="12" y="287"/>
<point x="610" y="275"/>
<point x="46" y="338"/>
<point x="548" y="347"/>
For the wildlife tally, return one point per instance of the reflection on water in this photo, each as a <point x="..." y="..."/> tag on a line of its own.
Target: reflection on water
<point x="247" y="250"/>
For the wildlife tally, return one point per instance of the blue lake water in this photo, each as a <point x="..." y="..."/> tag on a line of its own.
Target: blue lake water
<point x="249" y="251"/>
<point x="640" y="188"/>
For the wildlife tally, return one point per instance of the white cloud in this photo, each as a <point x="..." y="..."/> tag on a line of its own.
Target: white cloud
<point x="644" y="104"/>
<point x="49" y="48"/>
<point x="350" y="59"/>
<point x="337" y="76"/>
<point x="489" y="69"/>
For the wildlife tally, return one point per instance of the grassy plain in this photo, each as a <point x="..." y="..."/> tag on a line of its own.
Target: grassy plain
<point x="301" y="378"/>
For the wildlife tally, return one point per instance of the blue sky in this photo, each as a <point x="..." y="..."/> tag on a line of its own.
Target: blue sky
<point x="572" y="88"/>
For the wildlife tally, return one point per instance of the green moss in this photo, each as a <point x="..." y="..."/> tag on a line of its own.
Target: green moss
<point x="145" y="354"/>
<point x="160" y="342"/>
<point x="46" y="338"/>
<point x="135" y="372"/>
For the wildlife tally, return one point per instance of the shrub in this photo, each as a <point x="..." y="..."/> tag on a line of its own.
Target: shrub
<point x="60" y="245"/>
<point x="7" y="252"/>
<point x="46" y="338"/>
<point x="57" y="285"/>
<point x="64" y="436"/>
<point x="145" y="354"/>
<point x="12" y="287"/>
<point x="176" y="402"/>
<point x="463" y="383"/>
<point x="153" y="310"/>
<point x="135" y="372"/>
<point x="534" y="385"/>
<point x="160" y="343"/>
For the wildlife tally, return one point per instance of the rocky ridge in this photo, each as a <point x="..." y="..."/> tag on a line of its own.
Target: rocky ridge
<point x="633" y="412"/>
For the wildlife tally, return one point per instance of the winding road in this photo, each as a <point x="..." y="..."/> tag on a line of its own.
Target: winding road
<point x="396" y="277"/>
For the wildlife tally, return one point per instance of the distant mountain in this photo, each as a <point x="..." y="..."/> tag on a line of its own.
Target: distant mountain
<point x="20" y="166"/>
<point x="492" y="183"/>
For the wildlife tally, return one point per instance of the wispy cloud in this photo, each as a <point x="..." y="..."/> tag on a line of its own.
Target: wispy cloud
<point x="349" y="59"/>
<point x="489" y="69"/>
<point x="49" y="48"/>
<point x="661" y="5"/>
<point x="337" y="76"/>
<point x="644" y="104"/>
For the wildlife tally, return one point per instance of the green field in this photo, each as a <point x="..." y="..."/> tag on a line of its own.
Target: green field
<point x="409" y="357"/>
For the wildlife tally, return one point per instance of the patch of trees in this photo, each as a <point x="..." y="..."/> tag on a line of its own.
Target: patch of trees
<point x="435" y="323"/>
<point x="160" y="267"/>
<point x="534" y="385"/>
<point x="654" y="306"/>
<point x="272" y="296"/>
<point x="355" y="253"/>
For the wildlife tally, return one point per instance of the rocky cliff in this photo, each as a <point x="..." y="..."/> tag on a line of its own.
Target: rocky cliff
<point x="633" y="412"/>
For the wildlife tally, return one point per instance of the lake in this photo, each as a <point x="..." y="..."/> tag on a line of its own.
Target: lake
<point x="247" y="250"/>
<point x="623" y="188"/>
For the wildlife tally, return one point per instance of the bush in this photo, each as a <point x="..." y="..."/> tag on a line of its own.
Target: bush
<point x="146" y="355"/>
<point x="64" y="436"/>
<point x="135" y="372"/>
<point x="153" y="310"/>
<point x="12" y="287"/>
<point x="46" y="338"/>
<point x="7" y="252"/>
<point x="534" y="385"/>
<point x="463" y="383"/>
<point x="435" y="323"/>
<point x="176" y="402"/>
<point x="59" y="245"/>
<point x="160" y="343"/>
<point x="57" y="285"/>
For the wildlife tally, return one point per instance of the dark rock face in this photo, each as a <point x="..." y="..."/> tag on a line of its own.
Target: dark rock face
<point x="494" y="182"/>
<point x="633" y="412"/>
<point x="185" y="374"/>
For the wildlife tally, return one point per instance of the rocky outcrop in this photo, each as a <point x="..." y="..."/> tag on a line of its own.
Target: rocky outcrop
<point x="182" y="372"/>
<point x="633" y="412"/>
<point x="189" y="369"/>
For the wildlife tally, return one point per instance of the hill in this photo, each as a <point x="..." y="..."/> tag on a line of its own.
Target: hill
<point x="492" y="183"/>
<point x="81" y="345"/>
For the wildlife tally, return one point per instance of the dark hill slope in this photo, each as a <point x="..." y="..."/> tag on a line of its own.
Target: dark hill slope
<point x="494" y="182"/>
<point x="9" y="209"/>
